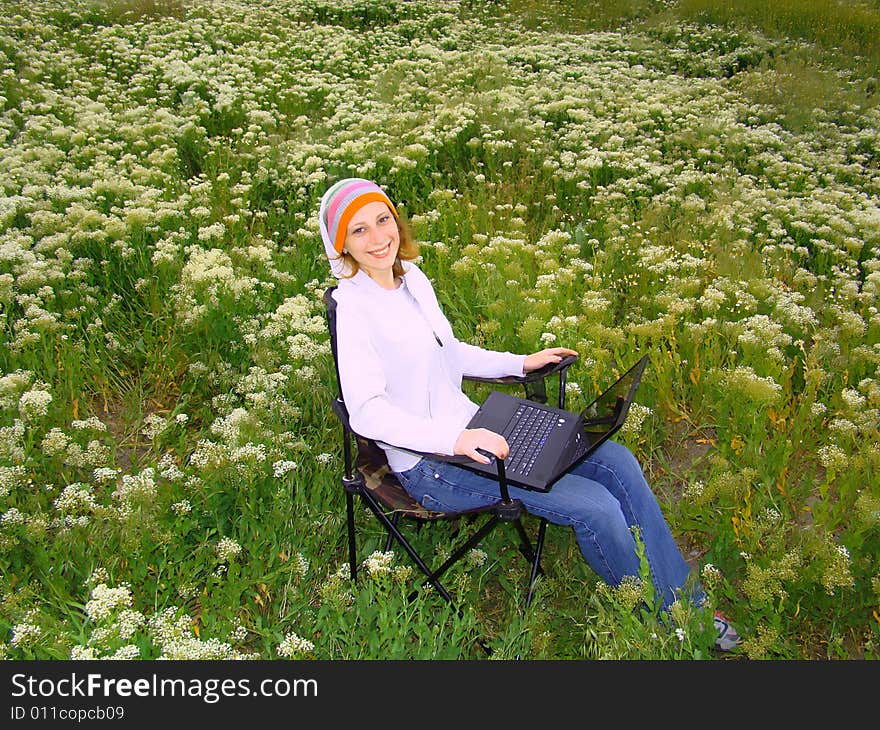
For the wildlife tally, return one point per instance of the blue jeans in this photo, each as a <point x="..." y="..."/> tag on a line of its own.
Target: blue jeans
<point x="601" y="498"/>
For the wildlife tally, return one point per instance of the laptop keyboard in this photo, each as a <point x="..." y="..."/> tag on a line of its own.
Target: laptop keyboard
<point x="527" y="432"/>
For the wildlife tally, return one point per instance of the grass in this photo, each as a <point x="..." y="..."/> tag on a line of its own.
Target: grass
<point x="850" y="27"/>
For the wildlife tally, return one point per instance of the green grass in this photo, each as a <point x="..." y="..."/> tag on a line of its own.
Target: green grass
<point x="848" y="27"/>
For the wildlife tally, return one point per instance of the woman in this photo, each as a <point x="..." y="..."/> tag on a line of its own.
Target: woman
<point x="401" y="368"/>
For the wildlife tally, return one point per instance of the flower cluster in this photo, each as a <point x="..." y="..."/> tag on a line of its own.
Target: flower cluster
<point x="227" y="549"/>
<point x="294" y="647"/>
<point x="106" y="600"/>
<point x="172" y="632"/>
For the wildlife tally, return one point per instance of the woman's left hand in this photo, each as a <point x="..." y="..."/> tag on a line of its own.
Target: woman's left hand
<point x="538" y="360"/>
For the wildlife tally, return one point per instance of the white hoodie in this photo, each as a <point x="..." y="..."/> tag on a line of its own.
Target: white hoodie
<point x="401" y="366"/>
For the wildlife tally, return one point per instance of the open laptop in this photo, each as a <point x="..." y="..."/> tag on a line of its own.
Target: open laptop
<point x="545" y="441"/>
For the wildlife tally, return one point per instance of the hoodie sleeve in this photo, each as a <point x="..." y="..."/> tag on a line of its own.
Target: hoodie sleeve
<point x="371" y="411"/>
<point x="482" y="363"/>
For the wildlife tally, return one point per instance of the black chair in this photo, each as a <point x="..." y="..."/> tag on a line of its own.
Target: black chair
<point x="369" y="477"/>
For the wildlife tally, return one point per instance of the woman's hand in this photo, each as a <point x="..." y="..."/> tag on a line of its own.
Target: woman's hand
<point x="471" y="439"/>
<point x="551" y="355"/>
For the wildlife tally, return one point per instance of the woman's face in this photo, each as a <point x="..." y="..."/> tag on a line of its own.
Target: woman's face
<point x="372" y="239"/>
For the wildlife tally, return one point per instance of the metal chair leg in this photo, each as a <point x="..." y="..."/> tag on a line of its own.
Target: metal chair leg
<point x="536" y="564"/>
<point x="352" y="548"/>
<point x="395" y="519"/>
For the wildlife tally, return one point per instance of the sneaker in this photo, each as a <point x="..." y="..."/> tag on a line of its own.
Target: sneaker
<point x="728" y="637"/>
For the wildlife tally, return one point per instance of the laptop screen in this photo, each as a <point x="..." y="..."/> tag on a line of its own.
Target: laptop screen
<point x="609" y="409"/>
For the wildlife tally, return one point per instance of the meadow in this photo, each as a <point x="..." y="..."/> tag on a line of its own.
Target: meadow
<point x="696" y="180"/>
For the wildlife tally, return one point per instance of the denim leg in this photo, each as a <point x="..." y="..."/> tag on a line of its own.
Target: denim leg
<point x="600" y="527"/>
<point x="615" y="467"/>
<point x="444" y="487"/>
<point x="601" y="498"/>
<point x="601" y="530"/>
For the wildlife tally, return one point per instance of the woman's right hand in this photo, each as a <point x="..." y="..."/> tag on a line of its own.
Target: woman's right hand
<point x="471" y="439"/>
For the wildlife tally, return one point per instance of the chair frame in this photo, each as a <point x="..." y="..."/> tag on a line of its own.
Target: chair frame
<point x="388" y="511"/>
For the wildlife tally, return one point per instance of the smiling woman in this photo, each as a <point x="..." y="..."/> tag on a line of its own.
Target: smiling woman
<point x="401" y="369"/>
<point x="372" y="241"/>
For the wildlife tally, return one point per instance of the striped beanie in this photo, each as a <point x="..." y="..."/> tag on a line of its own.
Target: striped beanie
<point x="342" y="201"/>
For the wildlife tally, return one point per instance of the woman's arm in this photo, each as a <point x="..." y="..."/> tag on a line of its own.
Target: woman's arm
<point x="484" y="363"/>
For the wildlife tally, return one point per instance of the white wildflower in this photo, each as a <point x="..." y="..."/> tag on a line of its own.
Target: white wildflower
<point x="635" y="418"/>
<point x="105" y="600"/>
<point x="54" y="442"/>
<point x="25" y="635"/>
<point x="833" y="457"/>
<point x="302" y="564"/>
<point x="10" y="478"/>
<point x="181" y="508"/>
<point x="153" y="425"/>
<point x="83" y="653"/>
<point x="12" y="518"/>
<point x="476" y="558"/>
<point x="280" y="468"/>
<point x="34" y="404"/>
<point x="92" y="423"/>
<point x="125" y="653"/>
<point x="105" y="475"/>
<point x="227" y="549"/>
<point x="378" y="562"/>
<point x="294" y="646"/>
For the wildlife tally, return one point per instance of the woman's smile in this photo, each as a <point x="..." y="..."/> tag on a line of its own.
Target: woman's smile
<point x="381" y="252"/>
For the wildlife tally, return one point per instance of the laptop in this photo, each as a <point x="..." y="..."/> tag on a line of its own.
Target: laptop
<point x="545" y="441"/>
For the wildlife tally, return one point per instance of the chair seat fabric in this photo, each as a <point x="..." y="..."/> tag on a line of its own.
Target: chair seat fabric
<point x="383" y="484"/>
<point x="385" y="487"/>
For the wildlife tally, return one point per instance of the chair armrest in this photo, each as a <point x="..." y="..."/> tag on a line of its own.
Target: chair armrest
<point x="540" y="374"/>
<point x="534" y="382"/>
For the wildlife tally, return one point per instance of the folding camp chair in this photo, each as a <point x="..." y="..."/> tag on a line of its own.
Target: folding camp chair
<point x="370" y="478"/>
